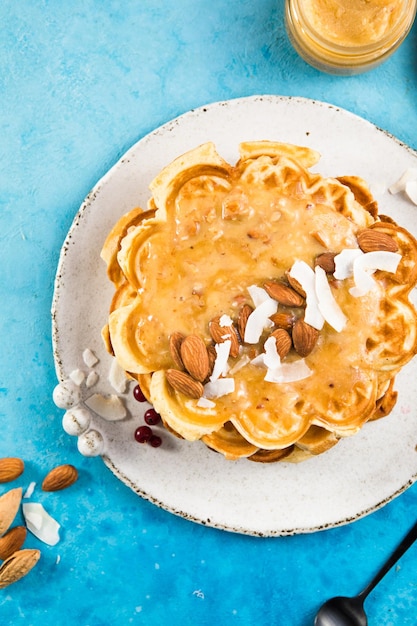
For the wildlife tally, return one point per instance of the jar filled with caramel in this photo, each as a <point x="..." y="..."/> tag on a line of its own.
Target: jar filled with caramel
<point x="348" y="36"/>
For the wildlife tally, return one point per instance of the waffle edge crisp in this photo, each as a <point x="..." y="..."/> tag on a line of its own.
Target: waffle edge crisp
<point x="263" y="308"/>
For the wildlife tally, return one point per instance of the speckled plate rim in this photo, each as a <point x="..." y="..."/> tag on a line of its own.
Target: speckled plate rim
<point x="223" y="503"/>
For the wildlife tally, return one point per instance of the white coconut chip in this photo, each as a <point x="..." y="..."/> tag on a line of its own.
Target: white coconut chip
<point x="278" y="372"/>
<point x="327" y="304"/>
<point x="77" y="376"/>
<point x="240" y="363"/>
<point x="92" y="379"/>
<point x="289" y="372"/>
<point x="205" y="403"/>
<point x="220" y="367"/>
<point x="367" y="264"/>
<point x="400" y="185"/>
<point x="40" y="523"/>
<point x="344" y="262"/>
<point x="411" y="191"/>
<point x="110" y="408"/>
<point x="258" y="294"/>
<point x="218" y="388"/>
<point x="117" y="377"/>
<point x="305" y="275"/>
<point x="89" y="358"/>
<point x="225" y="320"/>
<point x="29" y="491"/>
<point x="258" y="320"/>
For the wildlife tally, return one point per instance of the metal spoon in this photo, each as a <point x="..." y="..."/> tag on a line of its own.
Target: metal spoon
<point x="344" y="611"/>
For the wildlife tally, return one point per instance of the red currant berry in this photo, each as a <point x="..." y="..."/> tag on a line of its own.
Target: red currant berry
<point x="155" y="441"/>
<point x="151" y="417"/>
<point x="138" y="394"/>
<point x="143" y="434"/>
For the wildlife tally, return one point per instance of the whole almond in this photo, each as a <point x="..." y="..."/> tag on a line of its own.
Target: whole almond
<point x="283" y="294"/>
<point x="242" y="320"/>
<point x="60" y="477"/>
<point x="195" y="358"/>
<point x="175" y="342"/>
<point x="326" y="262"/>
<point x="10" y="469"/>
<point x="372" y="240"/>
<point x="9" y="506"/>
<point x="293" y="282"/>
<point x="283" y="320"/>
<point x="12" y="541"/>
<point x="283" y="342"/>
<point x="17" y="566"/>
<point x="304" y="337"/>
<point x="220" y="333"/>
<point x="184" y="383"/>
<point x="212" y="355"/>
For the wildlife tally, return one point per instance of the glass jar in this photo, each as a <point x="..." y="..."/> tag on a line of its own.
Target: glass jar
<point x="348" y="36"/>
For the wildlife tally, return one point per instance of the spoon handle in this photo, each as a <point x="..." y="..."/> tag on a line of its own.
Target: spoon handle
<point x="408" y="540"/>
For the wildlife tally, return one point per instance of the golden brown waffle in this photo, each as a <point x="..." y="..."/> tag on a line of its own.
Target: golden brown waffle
<point x="218" y="244"/>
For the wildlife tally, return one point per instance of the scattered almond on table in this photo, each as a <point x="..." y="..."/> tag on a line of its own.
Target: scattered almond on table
<point x="19" y="561"/>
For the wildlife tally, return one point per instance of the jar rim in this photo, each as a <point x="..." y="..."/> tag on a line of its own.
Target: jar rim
<point x="403" y="25"/>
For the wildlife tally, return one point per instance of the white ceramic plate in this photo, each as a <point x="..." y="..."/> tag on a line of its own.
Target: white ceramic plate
<point x="353" y="479"/>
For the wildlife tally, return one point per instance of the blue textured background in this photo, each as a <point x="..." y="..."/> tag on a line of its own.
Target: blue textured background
<point x="80" y="82"/>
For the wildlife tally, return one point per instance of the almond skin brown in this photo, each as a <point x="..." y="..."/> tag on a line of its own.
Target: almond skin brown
<point x="283" y="342"/>
<point x="175" y="342"/>
<point x="184" y="383"/>
<point x="283" y="294"/>
<point x="326" y="262"/>
<point x="9" y="506"/>
<point x="372" y="240"/>
<point x="60" y="477"/>
<point x="10" y="469"/>
<point x="18" y="565"/>
<point x="220" y="333"/>
<point x="304" y="337"/>
<point x="194" y="357"/>
<point x="12" y="541"/>
<point x="244" y="313"/>
<point x="283" y="320"/>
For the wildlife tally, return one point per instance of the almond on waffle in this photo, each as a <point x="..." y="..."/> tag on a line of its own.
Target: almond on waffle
<point x="265" y="307"/>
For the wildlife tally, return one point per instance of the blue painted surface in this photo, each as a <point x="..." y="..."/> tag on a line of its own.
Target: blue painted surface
<point x="79" y="83"/>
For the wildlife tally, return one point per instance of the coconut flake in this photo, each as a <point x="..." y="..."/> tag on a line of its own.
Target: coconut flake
<point x="344" y="262"/>
<point x="400" y="185"/>
<point x="258" y="294"/>
<point x="92" y="379"/>
<point x="367" y="264"/>
<point x="29" y="491"/>
<point x="289" y="372"/>
<point x="271" y="357"/>
<point x="411" y="191"/>
<point x="220" y="364"/>
<point x="205" y="403"/>
<point x="279" y="372"/>
<point x="225" y="320"/>
<point x="218" y="388"/>
<point x="117" y="377"/>
<point x="305" y="275"/>
<point x="89" y="358"/>
<point x="244" y="360"/>
<point x="77" y="376"/>
<point x="40" y="523"/>
<point x="110" y="408"/>
<point x="259" y="319"/>
<point x="328" y="306"/>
